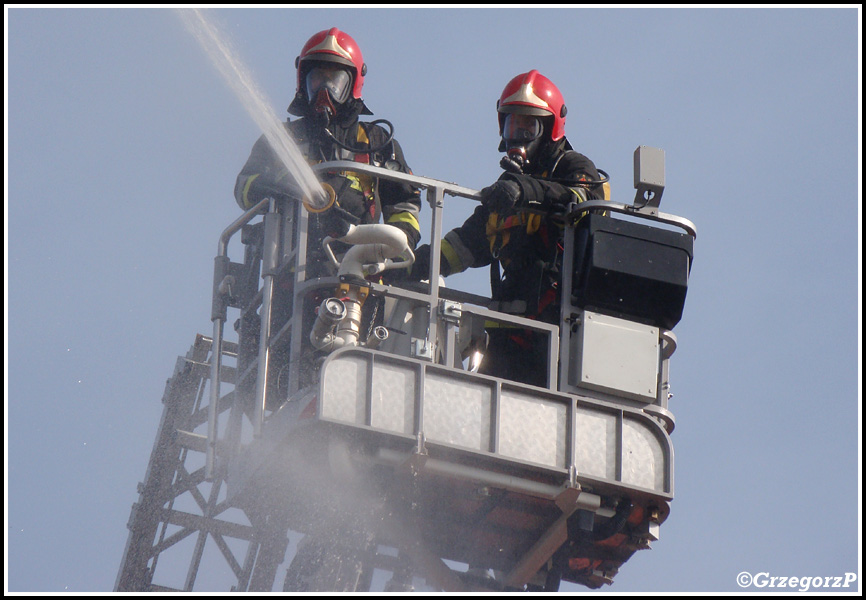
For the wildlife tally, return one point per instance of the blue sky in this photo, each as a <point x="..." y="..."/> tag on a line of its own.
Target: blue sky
<point x="123" y="145"/>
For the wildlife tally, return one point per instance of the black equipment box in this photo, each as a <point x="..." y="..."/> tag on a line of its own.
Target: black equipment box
<point x="631" y="270"/>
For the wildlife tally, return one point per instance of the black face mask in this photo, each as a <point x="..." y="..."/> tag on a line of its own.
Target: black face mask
<point x="523" y="138"/>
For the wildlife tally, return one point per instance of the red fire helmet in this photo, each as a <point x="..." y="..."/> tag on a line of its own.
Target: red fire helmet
<point x="533" y="94"/>
<point x="333" y="45"/>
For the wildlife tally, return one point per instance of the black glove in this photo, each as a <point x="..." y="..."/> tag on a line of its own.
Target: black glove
<point x="265" y="186"/>
<point x="501" y="197"/>
<point x="420" y="269"/>
<point x="332" y="224"/>
<point x="537" y="195"/>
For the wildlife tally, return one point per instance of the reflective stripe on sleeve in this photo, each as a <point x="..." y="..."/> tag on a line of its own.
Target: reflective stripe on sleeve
<point x="405" y="217"/>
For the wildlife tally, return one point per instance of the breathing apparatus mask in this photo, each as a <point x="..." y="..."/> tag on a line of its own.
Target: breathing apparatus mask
<point x="327" y="88"/>
<point x="522" y="135"/>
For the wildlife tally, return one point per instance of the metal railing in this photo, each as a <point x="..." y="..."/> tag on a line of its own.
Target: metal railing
<point x="275" y="218"/>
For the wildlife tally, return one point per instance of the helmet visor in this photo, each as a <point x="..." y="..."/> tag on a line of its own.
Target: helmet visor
<point x="521" y="129"/>
<point x="336" y="80"/>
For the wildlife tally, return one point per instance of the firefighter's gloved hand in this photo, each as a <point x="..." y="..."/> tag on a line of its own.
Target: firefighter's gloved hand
<point x="420" y="269"/>
<point x="501" y="197"/>
<point x="335" y="221"/>
<point x="268" y="186"/>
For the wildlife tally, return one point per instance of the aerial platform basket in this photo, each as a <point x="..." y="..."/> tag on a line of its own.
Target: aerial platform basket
<point x="389" y="452"/>
<point x="495" y="466"/>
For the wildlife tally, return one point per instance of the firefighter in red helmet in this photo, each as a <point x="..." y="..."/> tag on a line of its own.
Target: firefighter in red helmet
<point x="512" y="230"/>
<point x="330" y="78"/>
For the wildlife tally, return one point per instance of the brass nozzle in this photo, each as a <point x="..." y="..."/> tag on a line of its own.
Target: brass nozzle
<point x="332" y="197"/>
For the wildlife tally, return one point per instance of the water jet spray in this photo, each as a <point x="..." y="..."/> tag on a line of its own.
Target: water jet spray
<point x="239" y="79"/>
